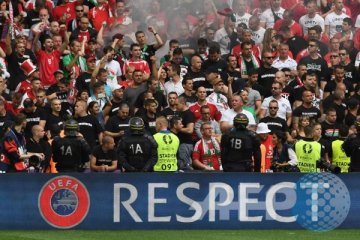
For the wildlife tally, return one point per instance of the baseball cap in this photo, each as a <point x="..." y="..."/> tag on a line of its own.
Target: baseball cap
<point x="262" y="128"/>
<point x="117" y="87"/>
<point x="91" y="58"/>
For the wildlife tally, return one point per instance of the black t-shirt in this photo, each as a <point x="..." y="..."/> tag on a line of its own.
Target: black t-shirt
<point x="296" y="44"/>
<point x="313" y="113"/>
<point x="317" y="66"/>
<point x="103" y="158"/>
<point x="146" y="52"/>
<point x="168" y="113"/>
<point x="330" y="132"/>
<point x="237" y="84"/>
<point x="189" y="99"/>
<point x="298" y="96"/>
<point x="352" y="73"/>
<point x="275" y="124"/>
<point x="52" y="119"/>
<point x="187" y="117"/>
<point x="150" y="126"/>
<point x="115" y="106"/>
<point x="66" y="107"/>
<point x="288" y="93"/>
<point x="16" y="74"/>
<point x="90" y="128"/>
<point x="33" y="119"/>
<point x="116" y="124"/>
<point x="83" y="82"/>
<point x="331" y="86"/>
<point x="158" y="96"/>
<point x="219" y="65"/>
<point x="199" y="80"/>
<point x="350" y="119"/>
<point x="266" y="79"/>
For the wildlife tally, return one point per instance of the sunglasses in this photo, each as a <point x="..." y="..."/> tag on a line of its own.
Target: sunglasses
<point x="273" y="107"/>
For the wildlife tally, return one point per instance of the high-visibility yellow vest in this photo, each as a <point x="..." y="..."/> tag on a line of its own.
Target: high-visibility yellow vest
<point x="339" y="157"/>
<point x="307" y="153"/>
<point x="168" y="145"/>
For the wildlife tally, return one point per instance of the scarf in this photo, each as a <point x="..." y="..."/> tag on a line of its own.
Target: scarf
<point x="206" y="148"/>
<point x="243" y="69"/>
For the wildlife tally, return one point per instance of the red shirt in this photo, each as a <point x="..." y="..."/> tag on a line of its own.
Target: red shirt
<point x="141" y="65"/>
<point x="269" y="151"/>
<point x="214" y="112"/>
<point x="295" y="28"/>
<point x="236" y="51"/>
<point x="48" y="64"/>
<point x="210" y="158"/>
<point x="68" y="8"/>
<point x="10" y="108"/>
<point x="23" y="86"/>
<point x="98" y="15"/>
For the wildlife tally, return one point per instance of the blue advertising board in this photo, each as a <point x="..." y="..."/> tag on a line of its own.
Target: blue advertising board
<point x="318" y="201"/>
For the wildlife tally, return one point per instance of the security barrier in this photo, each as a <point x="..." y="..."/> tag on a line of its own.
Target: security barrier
<point x="319" y="201"/>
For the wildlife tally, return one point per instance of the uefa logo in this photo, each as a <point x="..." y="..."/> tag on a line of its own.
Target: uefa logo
<point x="64" y="202"/>
<point x="323" y="202"/>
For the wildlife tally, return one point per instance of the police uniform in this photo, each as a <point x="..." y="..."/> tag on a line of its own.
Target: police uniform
<point x="137" y="152"/>
<point x="168" y="146"/>
<point x="239" y="146"/>
<point x="308" y="152"/>
<point x="70" y="152"/>
<point x="351" y="147"/>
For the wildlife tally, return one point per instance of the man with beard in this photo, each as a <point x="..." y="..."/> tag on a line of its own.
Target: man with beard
<point x="49" y="59"/>
<point x="20" y="55"/>
<point x="83" y="30"/>
<point x="310" y="83"/>
<point x="266" y="74"/>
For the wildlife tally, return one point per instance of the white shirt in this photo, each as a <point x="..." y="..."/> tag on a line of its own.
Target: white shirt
<point x="223" y="39"/>
<point x="219" y="100"/>
<point x="114" y="71"/>
<point x="267" y="17"/>
<point x="306" y="22"/>
<point x="357" y="22"/>
<point x="258" y="36"/>
<point x="170" y="86"/>
<point x="242" y="19"/>
<point x="335" y="22"/>
<point x="228" y="116"/>
<point x="284" y="106"/>
<point x="288" y="63"/>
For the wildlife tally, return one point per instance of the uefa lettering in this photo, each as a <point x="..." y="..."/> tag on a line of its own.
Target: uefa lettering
<point x="64" y="202"/>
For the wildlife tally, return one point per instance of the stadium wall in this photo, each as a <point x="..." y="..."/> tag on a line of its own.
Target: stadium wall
<point x="319" y="201"/>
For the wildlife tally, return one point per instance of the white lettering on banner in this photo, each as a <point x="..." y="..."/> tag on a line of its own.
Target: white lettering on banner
<point x="193" y="204"/>
<point x="152" y="201"/>
<point x="212" y="197"/>
<point x="270" y="197"/>
<point x="127" y="204"/>
<point x="244" y="201"/>
<point x="220" y="198"/>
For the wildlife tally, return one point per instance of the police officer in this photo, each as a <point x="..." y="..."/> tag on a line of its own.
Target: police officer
<point x="239" y="146"/>
<point x="351" y="147"/>
<point x="72" y="151"/>
<point x="168" y="147"/>
<point x="138" y="151"/>
<point x="308" y="151"/>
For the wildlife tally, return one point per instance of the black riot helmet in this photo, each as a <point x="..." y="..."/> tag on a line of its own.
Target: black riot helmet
<point x="136" y="126"/>
<point x="71" y="128"/>
<point x="241" y="121"/>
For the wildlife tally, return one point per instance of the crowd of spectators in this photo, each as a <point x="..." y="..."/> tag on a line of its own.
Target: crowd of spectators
<point x="291" y="66"/>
